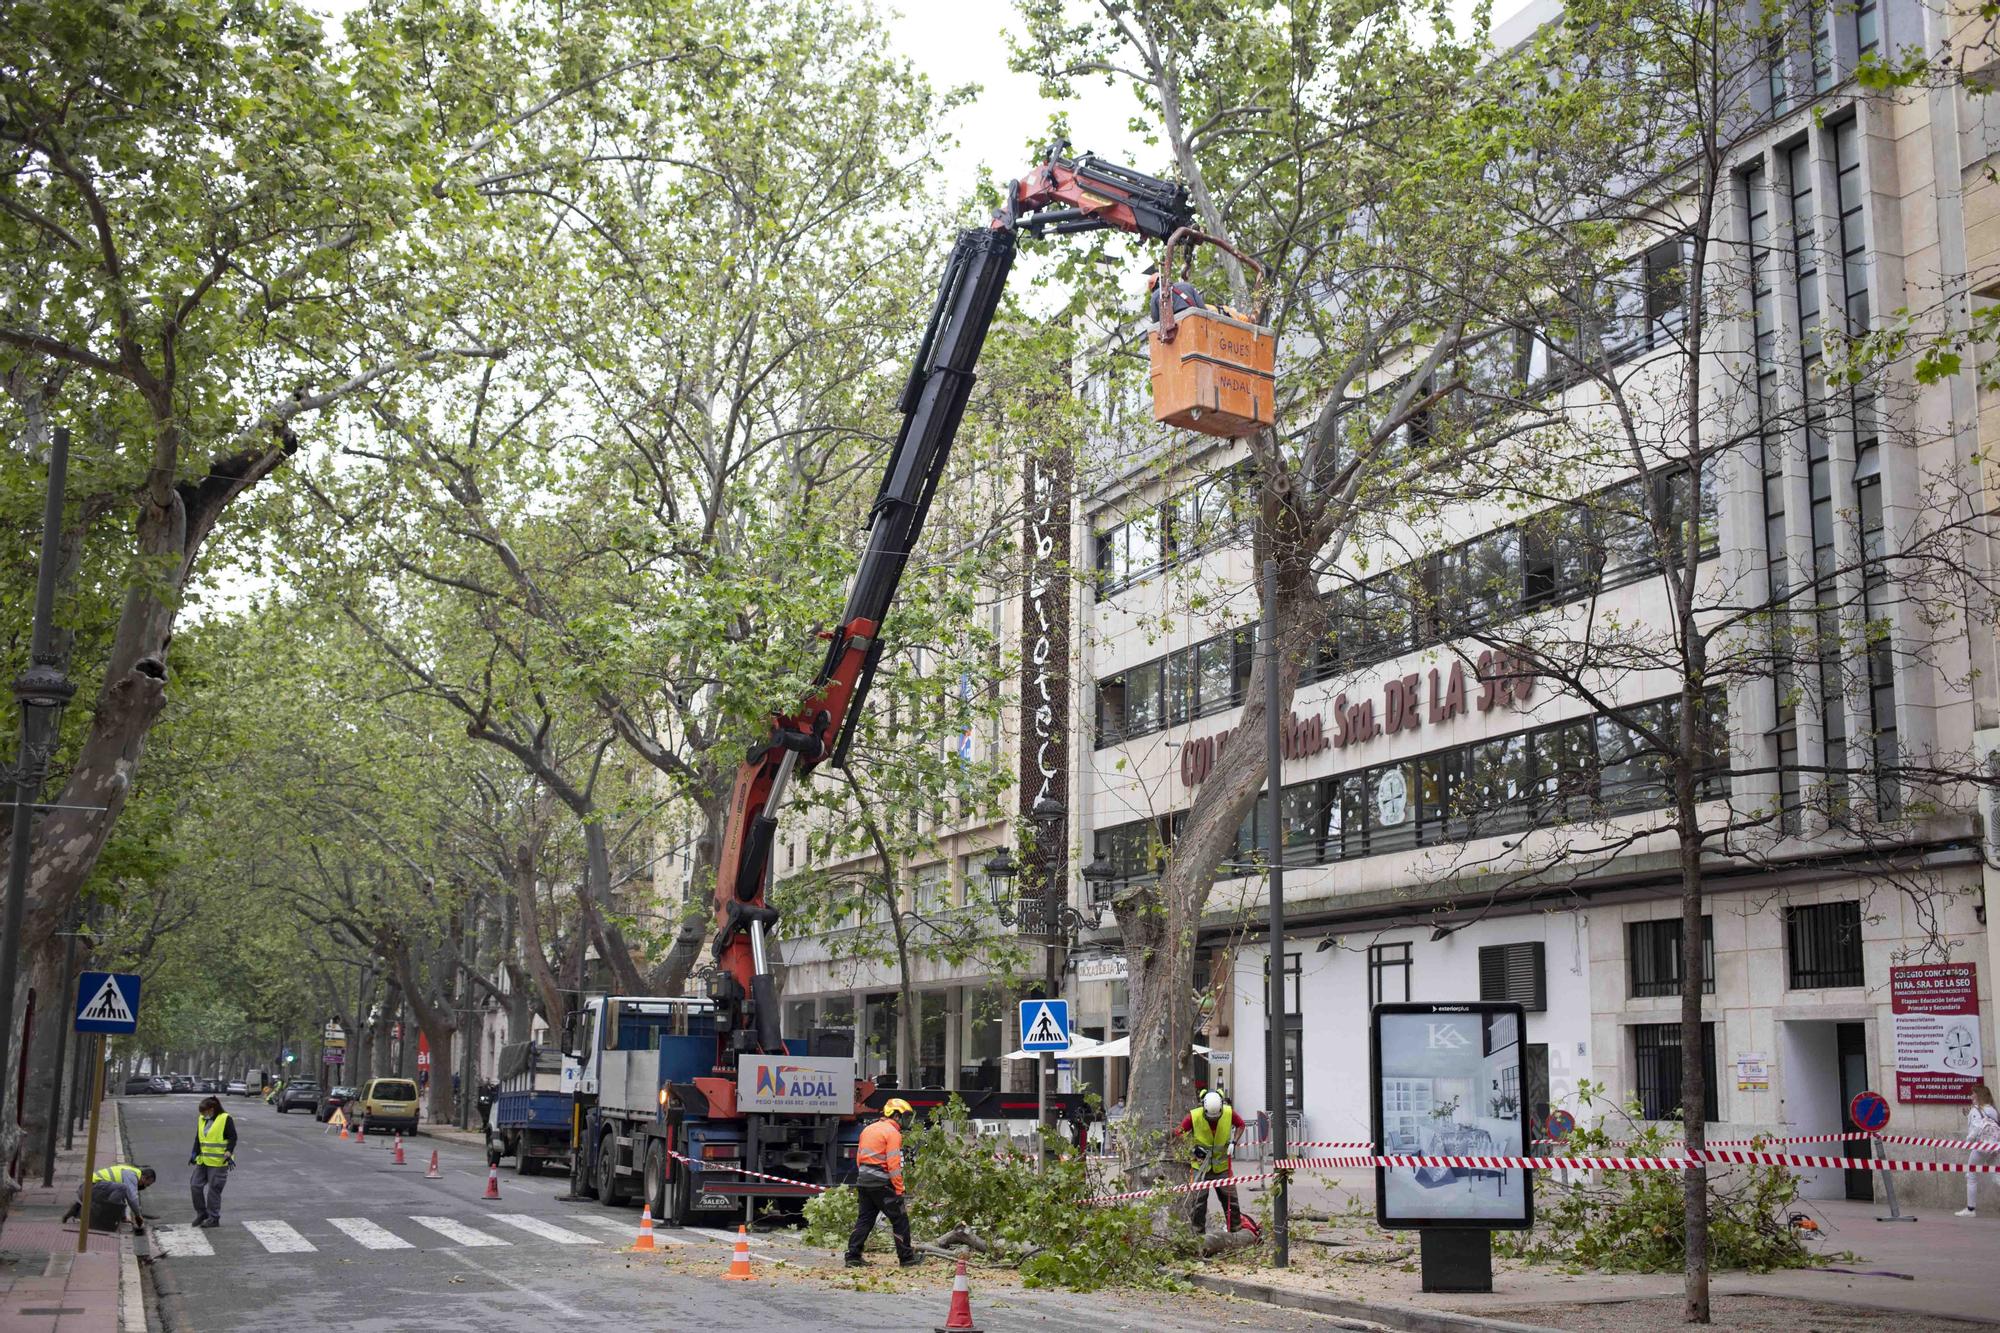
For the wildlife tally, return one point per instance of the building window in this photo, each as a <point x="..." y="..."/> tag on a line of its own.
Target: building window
<point x="1514" y="973"/>
<point x="1293" y="974"/>
<point x="1656" y="1061"/>
<point x="1570" y="770"/>
<point x="1555" y="557"/>
<point x="1653" y="951"/>
<point x="1388" y="974"/>
<point x="1823" y="943"/>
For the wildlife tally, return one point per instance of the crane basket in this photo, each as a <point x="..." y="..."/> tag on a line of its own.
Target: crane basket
<point x="1212" y="371"/>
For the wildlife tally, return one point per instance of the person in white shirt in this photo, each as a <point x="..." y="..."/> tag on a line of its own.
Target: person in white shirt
<point x="1982" y="1125"/>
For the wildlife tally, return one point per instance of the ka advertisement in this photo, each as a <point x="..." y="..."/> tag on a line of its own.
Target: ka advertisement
<point x="1934" y="1012"/>
<point x="1447" y="1082"/>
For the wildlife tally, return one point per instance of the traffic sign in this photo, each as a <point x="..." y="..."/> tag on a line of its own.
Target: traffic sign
<point x="334" y="1055"/>
<point x="1045" y="1025"/>
<point x="1561" y="1124"/>
<point x="1869" y="1111"/>
<point x="107" y="1002"/>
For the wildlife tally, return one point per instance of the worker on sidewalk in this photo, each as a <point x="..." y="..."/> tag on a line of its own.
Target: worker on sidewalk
<point x="879" y="1181"/>
<point x="214" y="1153"/>
<point x="116" y="1187"/>
<point x="1211" y="1126"/>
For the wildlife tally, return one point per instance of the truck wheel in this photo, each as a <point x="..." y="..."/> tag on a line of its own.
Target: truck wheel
<point x="607" y="1172"/>
<point x="656" y="1178"/>
<point x="580" y="1182"/>
<point x="525" y="1165"/>
<point x="679" y="1195"/>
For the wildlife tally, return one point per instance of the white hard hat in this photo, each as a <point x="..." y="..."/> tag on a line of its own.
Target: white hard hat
<point x="1211" y="1105"/>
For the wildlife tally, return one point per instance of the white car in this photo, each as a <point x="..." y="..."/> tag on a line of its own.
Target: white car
<point x="237" y="1089"/>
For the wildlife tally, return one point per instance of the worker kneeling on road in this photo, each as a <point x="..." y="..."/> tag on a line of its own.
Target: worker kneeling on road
<point x="114" y="1190"/>
<point x="879" y="1181"/>
<point x="1211" y="1126"/>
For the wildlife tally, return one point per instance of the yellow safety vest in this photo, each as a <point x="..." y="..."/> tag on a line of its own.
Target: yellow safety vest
<point x="1214" y="1139"/>
<point x="214" y="1151"/>
<point x="113" y="1175"/>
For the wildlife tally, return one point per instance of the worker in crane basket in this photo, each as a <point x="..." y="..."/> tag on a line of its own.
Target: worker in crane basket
<point x="878" y="1166"/>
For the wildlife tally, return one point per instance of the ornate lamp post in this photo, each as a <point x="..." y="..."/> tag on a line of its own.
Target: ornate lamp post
<point x="42" y="691"/>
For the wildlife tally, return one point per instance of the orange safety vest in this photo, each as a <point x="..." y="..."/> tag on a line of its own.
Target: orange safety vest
<point x="882" y="1148"/>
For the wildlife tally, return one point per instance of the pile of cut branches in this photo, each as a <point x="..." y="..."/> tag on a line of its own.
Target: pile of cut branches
<point x="1632" y="1221"/>
<point x="970" y="1194"/>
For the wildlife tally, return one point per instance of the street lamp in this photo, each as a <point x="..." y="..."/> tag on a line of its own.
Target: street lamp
<point x="42" y="692"/>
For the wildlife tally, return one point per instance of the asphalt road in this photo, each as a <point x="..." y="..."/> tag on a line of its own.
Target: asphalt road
<point x="320" y="1234"/>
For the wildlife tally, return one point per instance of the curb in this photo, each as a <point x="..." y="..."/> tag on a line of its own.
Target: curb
<point x="1406" y="1318"/>
<point x="131" y="1295"/>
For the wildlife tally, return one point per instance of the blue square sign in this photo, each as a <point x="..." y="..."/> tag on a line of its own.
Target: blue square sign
<point x="107" y="1002"/>
<point x="1045" y="1025"/>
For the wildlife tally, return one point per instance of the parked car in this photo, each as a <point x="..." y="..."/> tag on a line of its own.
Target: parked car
<point x="387" y="1104"/>
<point x="181" y="1082"/>
<point x="332" y="1100"/>
<point x="299" y="1094"/>
<point x="162" y="1084"/>
<point x="208" y="1085"/>
<point x="139" y="1086"/>
<point x="236" y="1087"/>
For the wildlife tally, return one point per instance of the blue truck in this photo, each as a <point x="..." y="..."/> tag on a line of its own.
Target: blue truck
<point x="530" y="1119"/>
<point x="655" y="1116"/>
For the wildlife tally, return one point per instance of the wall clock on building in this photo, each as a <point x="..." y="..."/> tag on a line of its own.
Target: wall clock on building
<point x="1392" y="798"/>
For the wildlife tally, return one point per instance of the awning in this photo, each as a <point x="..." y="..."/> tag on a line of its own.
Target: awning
<point x="1083" y="1047"/>
<point x="1122" y="1049"/>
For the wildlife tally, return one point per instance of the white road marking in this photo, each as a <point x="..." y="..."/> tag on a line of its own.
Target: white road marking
<point x="628" y="1231"/>
<point x="279" y="1237"/>
<point x="458" y="1231"/>
<point x="370" y="1235"/>
<point x="546" y="1230"/>
<point x="182" y="1242"/>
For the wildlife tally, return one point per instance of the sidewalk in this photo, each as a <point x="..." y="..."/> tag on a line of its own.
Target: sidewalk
<point x="1937" y="1268"/>
<point x="45" y="1285"/>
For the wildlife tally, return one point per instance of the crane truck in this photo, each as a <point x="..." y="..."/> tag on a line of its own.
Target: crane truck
<point x="702" y="1103"/>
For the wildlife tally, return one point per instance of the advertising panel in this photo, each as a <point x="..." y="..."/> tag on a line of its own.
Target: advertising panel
<point x="1934" y="1009"/>
<point x="818" y="1085"/>
<point x="1447" y="1082"/>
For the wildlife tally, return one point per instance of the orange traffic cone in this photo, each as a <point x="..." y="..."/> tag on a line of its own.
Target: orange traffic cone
<point x="344" y="1135"/>
<point x="399" y="1159"/>
<point x="361" y="1133"/>
<point x="959" y="1318"/>
<point x="431" y="1172"/>
<point x="492" y="1183"/>
<point x="739" y="1267"/>
<point x="645" y="1242"/>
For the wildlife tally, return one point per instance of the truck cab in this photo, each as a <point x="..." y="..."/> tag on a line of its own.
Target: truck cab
<point x="654" y="1109"/>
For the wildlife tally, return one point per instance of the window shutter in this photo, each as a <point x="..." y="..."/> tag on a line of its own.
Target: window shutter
<point x="1514" y="973"/>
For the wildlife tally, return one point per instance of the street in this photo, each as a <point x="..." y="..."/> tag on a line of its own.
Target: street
<point x="319" y="1233"/>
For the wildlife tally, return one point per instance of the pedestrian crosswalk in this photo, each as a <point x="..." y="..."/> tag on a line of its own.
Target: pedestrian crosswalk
<point x="252" y="1237"/>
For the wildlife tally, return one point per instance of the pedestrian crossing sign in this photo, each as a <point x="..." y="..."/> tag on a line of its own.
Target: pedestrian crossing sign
<point x="107" y="1002"/>
<point x="1045" y="1025"/>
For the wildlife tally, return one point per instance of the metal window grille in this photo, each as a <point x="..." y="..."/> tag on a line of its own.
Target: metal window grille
<point x="1388" y="973"/>
<point x="1823" y="943"/>
<point x="1516" y="973"/>
<point x="1656" y="1057"/>
<point x="1653" y="953"/>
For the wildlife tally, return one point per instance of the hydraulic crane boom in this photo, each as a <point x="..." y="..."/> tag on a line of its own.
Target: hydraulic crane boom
<point x="1061" y="195"/>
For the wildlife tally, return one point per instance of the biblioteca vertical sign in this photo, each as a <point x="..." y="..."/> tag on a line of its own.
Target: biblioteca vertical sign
<point x="1044" y="766"/>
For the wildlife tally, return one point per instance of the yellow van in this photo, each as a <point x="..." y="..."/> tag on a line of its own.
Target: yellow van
<point x="386" y="1104"/>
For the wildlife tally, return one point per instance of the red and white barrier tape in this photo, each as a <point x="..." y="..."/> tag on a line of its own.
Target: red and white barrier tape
<point x="1903" y="1140"/>
<point x="708" y="1165"/>
<point x="1214" y="1182"/>
<point x="1723" y="1156"/>
<point x="1333" y="1143"/>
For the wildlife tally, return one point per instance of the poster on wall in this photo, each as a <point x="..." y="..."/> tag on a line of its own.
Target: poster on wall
<point x="1447" y="1082"/>
<point x="1934" y="1012"/>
